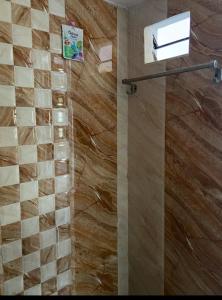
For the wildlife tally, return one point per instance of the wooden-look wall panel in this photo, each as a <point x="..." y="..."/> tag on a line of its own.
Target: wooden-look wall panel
<point x="94" y="100"/>
<point x="193" y="188"/>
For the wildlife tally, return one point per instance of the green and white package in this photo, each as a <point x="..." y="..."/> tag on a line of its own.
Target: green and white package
<point x="72" y="43"/>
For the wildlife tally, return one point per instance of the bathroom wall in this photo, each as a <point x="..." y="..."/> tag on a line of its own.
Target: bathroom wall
<point x="146" y="158"/>
<point x="193" y="160"/>
<point x="34" y="150"/>
<point x="93" y="93"/>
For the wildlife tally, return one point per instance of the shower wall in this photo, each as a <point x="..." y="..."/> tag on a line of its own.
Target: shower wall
<point x="48" y="104"/>
<point x="146" y="132"/>
<point x="93" y="92"/>
<point x="193" y="226"/>
<point x="34" y="150"/>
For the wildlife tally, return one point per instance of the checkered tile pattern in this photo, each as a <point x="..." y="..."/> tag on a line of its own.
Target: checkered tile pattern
<point x="35" y="244"/>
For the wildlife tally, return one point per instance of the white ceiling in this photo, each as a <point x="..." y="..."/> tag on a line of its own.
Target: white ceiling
<point x="124" y="3"/>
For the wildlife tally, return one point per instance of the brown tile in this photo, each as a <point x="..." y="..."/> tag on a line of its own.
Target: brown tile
<point x="64" y="232"/>
<point x="30" y="244"/>
<point x="40" y="5"/>
<point x="26" y="136"/>
<point x="7" y="116"/>
<point x="5" y="33"/>
<point x="24" y="97"/>
<point x="21" y="15"/>
<point x="58" y="63"/>
<point x="43" y="116"/>
<point x="42" y="79"/>
<point x="40" y="40"/>
<point x="45" y="152"/>
<point x="66" y="291"/>
<point x="9" y="195"/>
<point x="32" y="278"/>
<point x="6" y="75"/>
<point x="28" y="172"/>
<point x="49" y="287"/>
<point x="63" y="264"/>
<point x="46" y="187"/>
<point x="60" y="134"/>
<point x="11" y="232"/>
<point x="22" y="57"/>
<point x="47" y="221"/>
<point x="29" y="209"/>
<point x="55" y="24"/>
<point x="61" y="167"/>
<point x="12" y="269"/>
<point x="59" y="99"/>
<point x="48" y="255"/>
<point x="8" y="156"/>
<point x="62" y="200"/>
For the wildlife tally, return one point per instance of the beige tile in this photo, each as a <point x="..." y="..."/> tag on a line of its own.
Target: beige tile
<point x="9" y="175"/>
<point x="62" y="184"/>
<point x="10" y="214"/>
<point x="55" y="43"/>
<point x="31" y="261"/>
<point x="6" y="54"/>
<point x="11" y="251"/>
<point x="64" y="248"/>
<point x="41" y="59"/>
<point x="57" y="7"/>
<point x="60" y="117"/>
<point x="24" y="77"/>
<point x="30" y="227"/>
<point x="7" y="95"/>
<point x="8" y="136"/>
<point x="63" y="216"/>
<point x="25" y="116"/>
<point x="34" y="291"/>
<point x="27" y="154"/>
<point x="23" y="2"/>
<point x="43" y="98"/>
<point x="46" y="204"/>
<point x="46" y="169"/>
<point x="28" y="190"/>
<point x="40" y="20"/>
<point x="48" y="238"/>
<point x="59" y="81"/>
<point x="64" y="279"/>
<point x="13" y="286"/>
<point x="22" y="36"/>
<point x="48" y="271"/>
<point x="5" y="11"/>
<point x="44" y="134"/>
<point x="61" y="151"/>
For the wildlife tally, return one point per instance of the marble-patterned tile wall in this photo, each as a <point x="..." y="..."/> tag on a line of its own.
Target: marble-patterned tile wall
<point x="193" y="193"/>
<point x="93" y="87"/>
<point x="146" y="130"/>
<point x="35" y="239"/>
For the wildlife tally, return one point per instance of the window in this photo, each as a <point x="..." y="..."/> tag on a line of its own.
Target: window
<point x="168" y="38"/>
